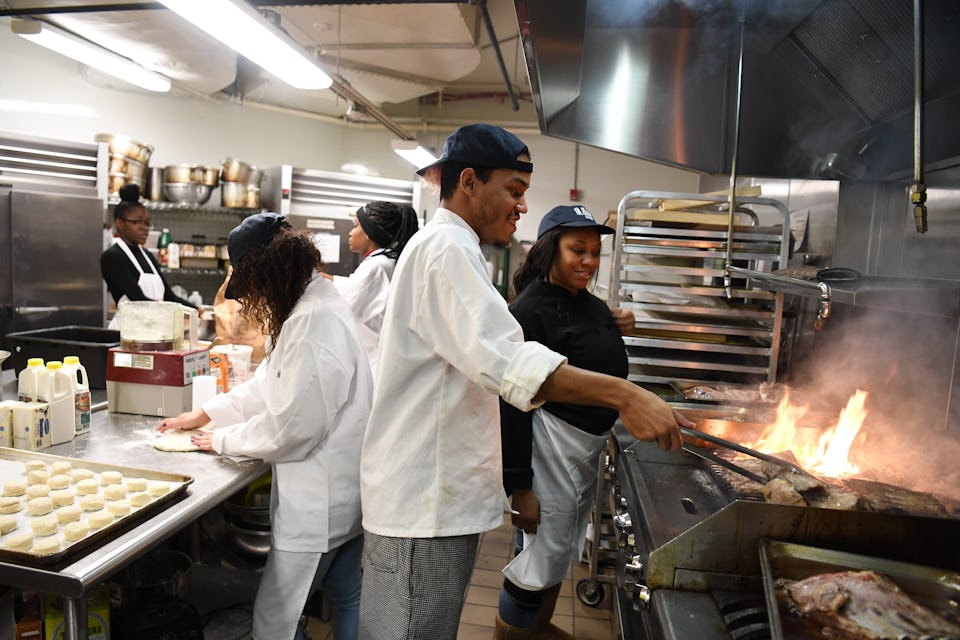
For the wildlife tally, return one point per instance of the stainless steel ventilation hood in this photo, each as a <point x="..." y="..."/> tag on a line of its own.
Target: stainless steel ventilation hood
<point x="827" y="86"/>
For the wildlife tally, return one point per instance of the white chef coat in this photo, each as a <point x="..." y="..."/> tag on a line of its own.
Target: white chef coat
<point x="304" y="411"/>
<point x="365" y="290"/>
<point x="431" y="462"/>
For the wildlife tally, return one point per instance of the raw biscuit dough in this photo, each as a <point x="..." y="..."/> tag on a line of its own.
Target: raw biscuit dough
<point x="99" y="519"/>
<point x="61" y="481"/>
<point x="39" y="506"/>
<point x="93" y="502"/>
<point x="159" y="488"/>
<point x="60" y="467"/>
<point x="115" y="492"/>
<point x="14" y="488"/>
<point x="111" y="477"/>
<point x="45" y="526"/>
<point x="19" y="541"/>
<point x="140" y="499"/>
<point x="7" y="524"/>
<point x="69" y="513"/>
<point x="179" y="440"/>
<point x="119" y="508"/>
<point x="37" y="491"/>
<point x="88" y="486"/>
<point x="10" y="505"/>
<point x="136" y="484"/>
<point x="34" y="465"/>
<point x="38" y="476"/>
<point x="46" y="545"/>
<point x="75" y="531"/>
<point x="62" y="497"/>
<point x="80" y="474"/>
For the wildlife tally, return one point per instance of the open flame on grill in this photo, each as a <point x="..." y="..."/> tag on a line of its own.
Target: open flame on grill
<point x="828" y="455"/>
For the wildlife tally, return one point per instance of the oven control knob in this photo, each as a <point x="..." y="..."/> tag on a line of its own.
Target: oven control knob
<point x="641" y="597"/>
<point x="634" y="565"/>
<point x="627" y="542"/>
<point x="623" y="521"/>
<point x="631" y="541"/>
<point x="623" y="502"/>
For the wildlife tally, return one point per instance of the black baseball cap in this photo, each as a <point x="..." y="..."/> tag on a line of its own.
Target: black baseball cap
<point x="254" y="232"/>
<point x="566" y="216"/>
<point x="484" y="145"/>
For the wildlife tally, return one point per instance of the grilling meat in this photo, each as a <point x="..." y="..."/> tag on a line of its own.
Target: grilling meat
<point x="862" y="605"/>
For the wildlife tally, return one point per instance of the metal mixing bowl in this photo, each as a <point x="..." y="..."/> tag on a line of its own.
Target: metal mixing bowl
<point x="187" y="192"/>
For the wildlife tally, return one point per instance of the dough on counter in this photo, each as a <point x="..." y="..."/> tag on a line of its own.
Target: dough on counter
<point x="115" y="492"/>
<point x="99" y="519"/>
<point x="7" y="524"/>
<point x="10" y="505"/>
<point x="39" y="506"/>
<point x="70" y="513"/>
<point x="45" y="526"/>
<point x="14" y="488"/>
<point x="61" y="481"/>
<point x="59" y="467"/>
<point x="75" y="531"/>
<point x="46" y="545"/>
<point x="63" y="497"/>
<point x="88" y="486"/>
<point x="81" y="474"/>
<point x="175" y="441"/>
<point x="136" y="484"/>
<point x="119" y="507"/>
<point x="38" y="476"/>
<point x="93" y="502"/>
<point x="19" y="541"/>
<point x="34" y="465"/>
<point x="111" y="477"/>
<point x="140" y="499"/>
<point x="158" y="488"/>
<point x="37" y="491"/>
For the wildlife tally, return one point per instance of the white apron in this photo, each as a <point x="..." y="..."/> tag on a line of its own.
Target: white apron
<point x="284" y="589"/>
<point x="564" y="478"/>
<point x="151" y="284"/>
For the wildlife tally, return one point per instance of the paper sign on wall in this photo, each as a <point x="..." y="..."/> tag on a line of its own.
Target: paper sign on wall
<point x="329" y="245"/>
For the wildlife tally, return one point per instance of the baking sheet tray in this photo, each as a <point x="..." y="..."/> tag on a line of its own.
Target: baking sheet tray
<point x="12" y="467"/>
<point x="936" y="589"/>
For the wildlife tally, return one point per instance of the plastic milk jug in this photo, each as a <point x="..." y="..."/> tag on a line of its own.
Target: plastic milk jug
<point x="80" y="387"/>
<point x="55" y="390"/>
<point x="28" y="382"/>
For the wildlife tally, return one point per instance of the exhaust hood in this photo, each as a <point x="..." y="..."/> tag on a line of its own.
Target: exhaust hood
<point x="827" y="86"/>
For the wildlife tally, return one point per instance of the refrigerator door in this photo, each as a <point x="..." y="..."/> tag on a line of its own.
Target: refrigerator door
<point x="6" y="270"/>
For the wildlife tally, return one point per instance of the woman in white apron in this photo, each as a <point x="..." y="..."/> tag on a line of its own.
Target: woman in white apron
<point x="550" y="455"/>
<point x="131" y="272"/>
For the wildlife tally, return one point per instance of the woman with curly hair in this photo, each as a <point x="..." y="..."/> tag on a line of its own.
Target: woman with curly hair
<point x="304" y="411"/>
<point x="380" y="232"/>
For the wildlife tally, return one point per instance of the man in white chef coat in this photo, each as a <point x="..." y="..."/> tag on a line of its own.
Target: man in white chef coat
<point x="430" y="465"/>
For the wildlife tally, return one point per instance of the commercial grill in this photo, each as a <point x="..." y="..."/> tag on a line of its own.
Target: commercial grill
<point x="689" y="546"/>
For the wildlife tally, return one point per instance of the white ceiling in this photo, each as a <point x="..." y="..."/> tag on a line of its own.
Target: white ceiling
<point x="400" y="57"/>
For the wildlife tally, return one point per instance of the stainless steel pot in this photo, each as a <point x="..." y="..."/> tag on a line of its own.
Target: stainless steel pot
<point x="124" y="145"/>
<point x="233" y="194"/>
<point x="235" y="171"/>
<point x="184" y="173"/>
<point x="209" y="176"/>
<point x="155" y="182"/>
<point x="158" y="575"/>
<point x="255" y="177"/>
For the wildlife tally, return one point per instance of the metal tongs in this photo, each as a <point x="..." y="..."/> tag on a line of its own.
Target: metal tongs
<point x="733" y="446"/>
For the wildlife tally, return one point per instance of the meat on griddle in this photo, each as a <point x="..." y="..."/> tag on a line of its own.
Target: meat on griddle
<point x="862" y="605"/>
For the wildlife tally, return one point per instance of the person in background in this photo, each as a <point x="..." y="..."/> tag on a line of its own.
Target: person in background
<point x="550" y="454"/>
<point x="431" y="473"/>
<point x="304" y="411"/>
<point x="380" y="232"/>
<point x="130" y="271"/>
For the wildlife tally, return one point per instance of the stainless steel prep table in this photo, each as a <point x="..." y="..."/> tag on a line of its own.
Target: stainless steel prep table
<point x="125" y="440"/>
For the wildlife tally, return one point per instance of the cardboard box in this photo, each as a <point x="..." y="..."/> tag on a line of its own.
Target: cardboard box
<point x="31" y="426"/>
<point x="6" y="423"/>
<point x="98" y="615"/>
<point x="29" y="626"/>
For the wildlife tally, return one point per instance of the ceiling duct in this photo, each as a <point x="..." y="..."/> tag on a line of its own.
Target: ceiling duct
<point x="827" y="84"/>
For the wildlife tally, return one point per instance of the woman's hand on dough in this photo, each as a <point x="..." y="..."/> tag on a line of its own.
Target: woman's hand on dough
<point x="203" y="440"/>
<point x="188" y="420"/>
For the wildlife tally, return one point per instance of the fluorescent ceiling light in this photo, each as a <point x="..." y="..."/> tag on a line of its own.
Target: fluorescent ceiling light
<point x="89" y="54"/>
<point x="239" y="26"/>
<point x="413" y="152"/>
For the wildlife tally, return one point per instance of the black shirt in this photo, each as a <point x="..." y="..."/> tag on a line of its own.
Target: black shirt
<point x="580" y="327"/>
<point x="122" y="277"/>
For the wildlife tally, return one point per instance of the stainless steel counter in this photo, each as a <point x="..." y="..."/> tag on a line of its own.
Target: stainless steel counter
<point x="126" y="440"/>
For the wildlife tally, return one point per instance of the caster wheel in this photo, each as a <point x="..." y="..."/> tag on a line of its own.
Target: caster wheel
<point x="590" y="593"/>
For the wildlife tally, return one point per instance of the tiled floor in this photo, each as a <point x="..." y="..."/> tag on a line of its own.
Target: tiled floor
<point x="476" y="622"/>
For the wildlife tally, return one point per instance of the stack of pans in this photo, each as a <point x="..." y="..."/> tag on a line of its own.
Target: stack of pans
<point x="189" y="183"/>
<point x="240" y="185"/>
<point x="128" y="161"/>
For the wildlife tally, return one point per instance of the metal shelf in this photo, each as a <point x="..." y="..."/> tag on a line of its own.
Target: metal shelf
<point x="153" y="205"/>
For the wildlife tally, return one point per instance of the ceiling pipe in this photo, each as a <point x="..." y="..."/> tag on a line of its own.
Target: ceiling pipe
<point x="496" y="49"/>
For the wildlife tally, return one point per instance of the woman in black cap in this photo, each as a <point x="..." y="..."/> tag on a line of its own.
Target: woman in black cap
<point x="304" y="411"/>
<point x="380" y="232"/>
<point x="550" y="454"/>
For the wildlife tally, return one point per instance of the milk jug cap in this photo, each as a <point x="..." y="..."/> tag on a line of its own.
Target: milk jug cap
<point x="54" y="364"/>
<point x="35" y="362"/>
<point x="71" y="360"/>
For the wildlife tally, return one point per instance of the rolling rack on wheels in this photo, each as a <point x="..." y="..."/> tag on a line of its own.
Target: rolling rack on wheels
<point x="601" y="549"/>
